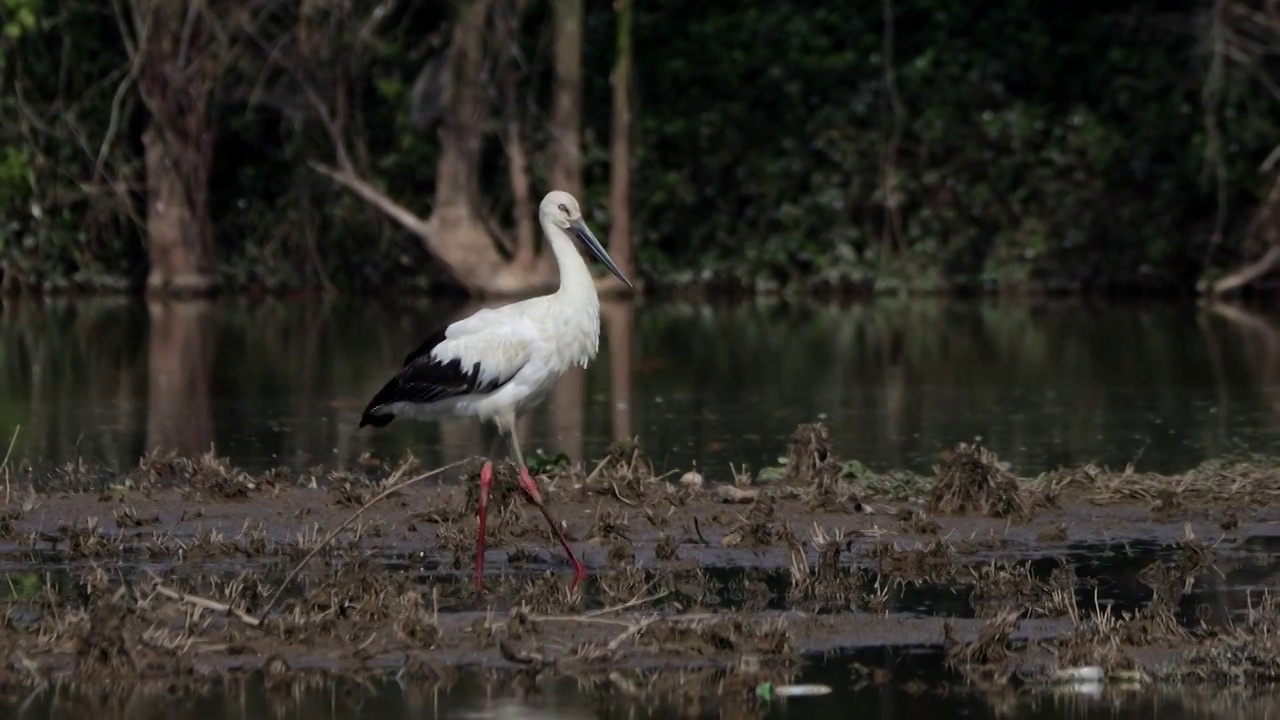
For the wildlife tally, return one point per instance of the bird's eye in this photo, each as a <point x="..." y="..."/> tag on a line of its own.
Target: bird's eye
<point x="564" y="209"/>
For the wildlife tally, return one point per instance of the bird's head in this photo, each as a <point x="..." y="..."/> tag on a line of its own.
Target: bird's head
<point x="560" y="209"/>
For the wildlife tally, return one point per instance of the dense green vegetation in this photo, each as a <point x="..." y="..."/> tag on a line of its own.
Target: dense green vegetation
<point x="1023" y="144"/>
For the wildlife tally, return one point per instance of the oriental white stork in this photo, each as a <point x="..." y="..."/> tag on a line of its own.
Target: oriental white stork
<point x="499" y="362"/>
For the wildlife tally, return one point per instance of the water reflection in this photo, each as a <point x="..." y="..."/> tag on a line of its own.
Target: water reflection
<point x="907" y="683"/>
<point x="180" y="355"/>
<point x="274" y="382"/>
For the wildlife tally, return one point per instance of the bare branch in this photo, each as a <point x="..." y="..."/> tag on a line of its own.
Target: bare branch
<point x="1249" y="273"/>
<point x="188" y="27"/>
<point x="380" y="200"/>
<point x="113" y="124"/>
<point x="892" y="233"/>
<point x="1211" y="101"/>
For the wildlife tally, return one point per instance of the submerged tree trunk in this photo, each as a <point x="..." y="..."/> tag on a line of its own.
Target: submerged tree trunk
<point x="566" y="107"/>
<point x="620" y="148"/>
<point x="174" y="51"/>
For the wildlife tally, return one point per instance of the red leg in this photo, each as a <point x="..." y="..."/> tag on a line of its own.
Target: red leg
<point x="531" y="489"/>
<point x="486" y="480"/>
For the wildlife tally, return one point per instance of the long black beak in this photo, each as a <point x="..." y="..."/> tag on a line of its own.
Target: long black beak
<point x="589" y="239"/>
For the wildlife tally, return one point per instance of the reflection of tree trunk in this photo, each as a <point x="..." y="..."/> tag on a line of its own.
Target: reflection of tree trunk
<point x="619" y="320"/>
<point x="894" y="383"/>
<point x="1260" y="329"/>
<point x="568" y="407"/>
<point x="180" y="350"/>
<point x="620" y="148"/>
<point x="1214" y="350"/>
<point x="460" y="439"/>
<point x="566" y="106"/>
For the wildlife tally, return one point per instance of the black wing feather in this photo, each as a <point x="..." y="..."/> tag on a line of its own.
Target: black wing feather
<point x="424" y="380"/>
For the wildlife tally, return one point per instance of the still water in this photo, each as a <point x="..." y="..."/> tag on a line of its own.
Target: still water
<point x="274" y="382"/>
<point x="917" y="687"/>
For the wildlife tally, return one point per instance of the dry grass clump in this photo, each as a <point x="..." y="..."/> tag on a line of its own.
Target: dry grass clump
<point x="972" y="479"/>
<point x="1244" y="653"/>
<point x="1238" y="482"/>
<point x="814" y="466"/>
<point x="988" y="658"/>
<point x="1001" y="586"/>
<point x="624" y="476"/>
<point x="1107" y="639"/>
<point x="832" y="587"/>
<point x="810" y="460"/>
<point x="206" y="474"/>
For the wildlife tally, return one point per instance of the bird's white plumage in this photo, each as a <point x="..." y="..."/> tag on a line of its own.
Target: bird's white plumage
<point x="520" y="349"/>
<point x="509" y="345"/>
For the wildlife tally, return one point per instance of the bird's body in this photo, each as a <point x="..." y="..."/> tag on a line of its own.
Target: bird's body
<point x="499" y="362"/>
<point x="442" y="378"/>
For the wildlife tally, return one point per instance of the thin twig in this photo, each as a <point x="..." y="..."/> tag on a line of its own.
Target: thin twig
<point x="353" y="517"/>
<point x="698" y="530"/>
<point x="207" y="604"/>
<point x="4" y="465"/>
<point x="594" y="616"/>
<point x="628" y="604"/>
<point x="618" y="494"/>
<point x="600" y="465"/>
<point x="629" y="633"/>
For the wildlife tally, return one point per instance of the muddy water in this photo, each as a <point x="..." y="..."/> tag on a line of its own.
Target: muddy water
<point x="273" y="383"/>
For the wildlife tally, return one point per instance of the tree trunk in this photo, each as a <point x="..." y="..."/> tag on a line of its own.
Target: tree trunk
<point x="620" y="147"/>
<point x="179" y="377"/>
<point x="457" y="182"/>
<point x="178" y="60"/>
<point x="179" y="228"/>
<point x="457" y="234"/>
<point x="526" y="251"/>
<point x="566" y="108"/>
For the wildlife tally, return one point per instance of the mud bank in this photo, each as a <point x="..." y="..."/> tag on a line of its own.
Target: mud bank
<point x="183" y="571"/>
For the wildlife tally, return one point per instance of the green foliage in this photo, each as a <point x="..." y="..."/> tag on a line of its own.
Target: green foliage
<point x="19" y="17"/>
<point x="62" y="226"/>
<point x="1040" y="145"/>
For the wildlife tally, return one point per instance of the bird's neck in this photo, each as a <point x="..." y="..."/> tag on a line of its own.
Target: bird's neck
<point x="575" y="276"/>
